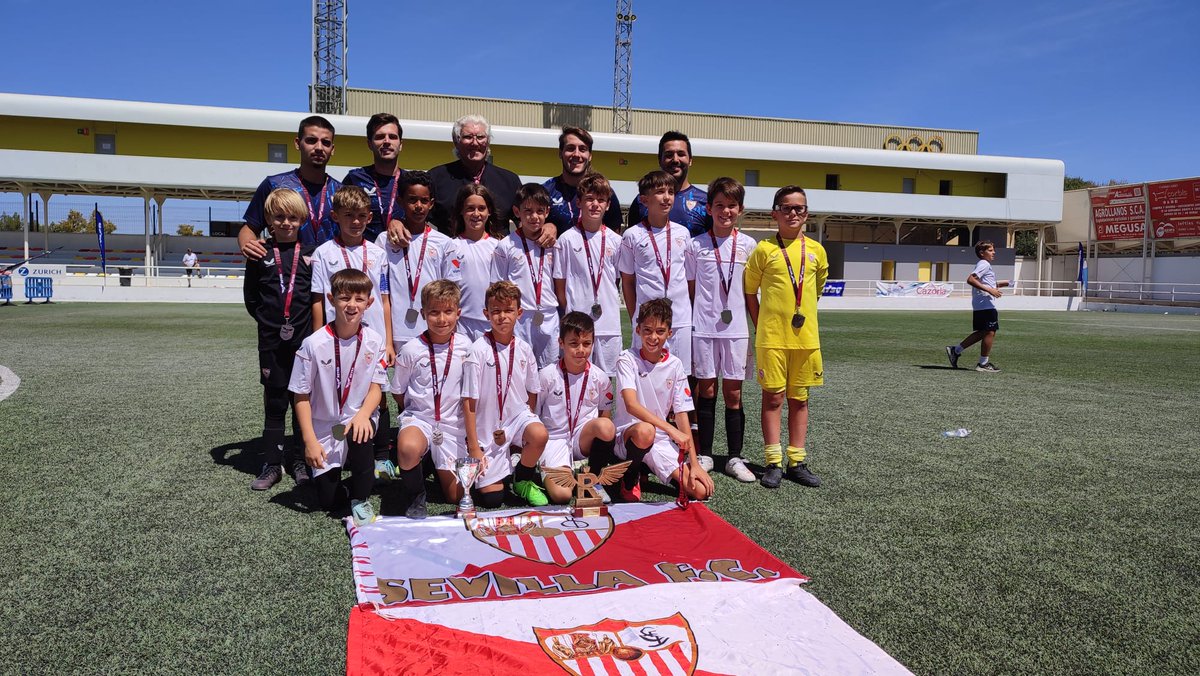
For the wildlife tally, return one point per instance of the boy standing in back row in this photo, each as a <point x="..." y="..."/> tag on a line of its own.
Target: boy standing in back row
<point x="790" y="269"/>
<point x="986" y="321"/>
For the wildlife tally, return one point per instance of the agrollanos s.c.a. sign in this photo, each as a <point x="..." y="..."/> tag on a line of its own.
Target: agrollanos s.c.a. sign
<point x="1119" y="213"/>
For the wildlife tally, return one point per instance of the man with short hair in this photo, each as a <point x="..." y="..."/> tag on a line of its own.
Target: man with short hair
<point x="314" y="140"/>
<point x="383" y="178"/>
<point x="691" y="203"/>
<point x="575" y="151"/>
<point x="472" y="136"/>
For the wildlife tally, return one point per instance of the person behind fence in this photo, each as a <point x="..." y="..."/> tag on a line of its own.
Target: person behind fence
<point x="338" y="378"/>
<point x="276" y="293"/>
<point x="191" y="263"/>
<point x="985" y="321"/>
<point x="790" y="270"/>
<point x="427" y="386"/>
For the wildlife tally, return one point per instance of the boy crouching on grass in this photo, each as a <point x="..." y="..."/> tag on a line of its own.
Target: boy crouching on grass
<point x="500" y="388"/>
<point x="427" y="385"/>
<point x="337" y="381"/>
<point x="575" y="403"/>
<point x="277" y="296"/>
<point x="651" y="385"/>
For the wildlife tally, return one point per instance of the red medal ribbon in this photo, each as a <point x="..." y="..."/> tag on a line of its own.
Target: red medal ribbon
<point x="587" y="372"/>
<point x="287" y="301"/>
<point x="501" y="390"/>
<point x="666" y="272"/>
<point x="797" y="288"/>
<point x="387" y="218"/>
<point x="541" y="276"/>
<point x="346" y="256"/>
<point x="726" y="284"/>
<point x="343" y="395"/>
<point x="587" y="251"/>
<point x="314" y="223"/>
<point x="413" y="285"/>
<point x="437" y="387"/>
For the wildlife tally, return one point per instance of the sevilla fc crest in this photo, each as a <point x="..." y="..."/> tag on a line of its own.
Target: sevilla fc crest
<point x="662" y="646"/>
<point x="555" y="538"/>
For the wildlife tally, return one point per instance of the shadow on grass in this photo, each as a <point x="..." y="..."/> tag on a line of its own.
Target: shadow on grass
<point x="938" y="367"/>
<point x="243" y="456"/>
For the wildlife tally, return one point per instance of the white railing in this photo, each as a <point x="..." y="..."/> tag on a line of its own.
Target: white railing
<point x="1144" y="291"/>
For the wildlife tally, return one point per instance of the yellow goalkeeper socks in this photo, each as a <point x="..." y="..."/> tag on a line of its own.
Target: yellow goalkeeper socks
<point x="773" y="454"/>
<point x="795" y="455"/>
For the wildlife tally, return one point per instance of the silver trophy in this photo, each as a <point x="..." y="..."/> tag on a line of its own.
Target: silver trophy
<point x="466" y="470"/>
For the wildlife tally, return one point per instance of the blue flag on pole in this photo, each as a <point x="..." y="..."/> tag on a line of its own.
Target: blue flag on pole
<point x="1083" y="271"/>
<point x="100" y="237"/>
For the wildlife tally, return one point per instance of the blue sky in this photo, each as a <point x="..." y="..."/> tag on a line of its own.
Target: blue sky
<point x="1111" y="88"/>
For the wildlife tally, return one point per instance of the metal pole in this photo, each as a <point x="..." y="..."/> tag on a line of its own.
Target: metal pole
<point x="1087" y="249"/>
<point x="146" y="222"/>
<point x="1145" y="237"/>
<point x="1041" y="257"/>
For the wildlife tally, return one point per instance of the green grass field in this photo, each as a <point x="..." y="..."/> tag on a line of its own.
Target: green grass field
<point x="1059" y="537"/>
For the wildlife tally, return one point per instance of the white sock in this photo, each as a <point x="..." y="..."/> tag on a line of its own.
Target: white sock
<point x="983" y="360"/>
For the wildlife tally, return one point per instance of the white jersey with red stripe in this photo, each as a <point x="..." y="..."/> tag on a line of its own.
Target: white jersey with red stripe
<point x="424" y="270"/>
<point x="509" y="262"/>
<point x="469" y="265"/>
<point x="479" y="383"/>
<point x="637" y="257"/>
<point x="553" y="398"/>
<point x="413" y="379"/>
<point x="711" y="298"/>
<point x="661" y="388"/>
<point x="329" y="258"/>
<point x="571" y="265"/>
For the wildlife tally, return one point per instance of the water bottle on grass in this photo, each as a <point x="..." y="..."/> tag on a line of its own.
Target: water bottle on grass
<point x="957" y="434"/>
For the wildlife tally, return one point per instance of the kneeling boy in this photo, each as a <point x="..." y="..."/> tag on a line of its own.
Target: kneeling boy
<point x="575" y="403"/>
<point x="427" y="385"/>
<point x="652" y="384"/>
<point x="500" y="387"/>
<point x="337" y="381"/>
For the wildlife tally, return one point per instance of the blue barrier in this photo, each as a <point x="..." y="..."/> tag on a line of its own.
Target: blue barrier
<point x="39" y="287"/>
<point x="6" y="289"/>
<point x="834" y="289"/>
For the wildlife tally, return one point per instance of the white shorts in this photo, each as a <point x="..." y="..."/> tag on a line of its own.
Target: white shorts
<point x="543" y="339"/>
<point x="453" y="446"/>
<point x="662" y="458"/>
<point x="679" y="344"/>
<point x="497" y="456"/>
<point x="473" y="328"/>
<point x="723" y="357"/>
<point x="562" y="452"/>
<point x="605" y="351"/>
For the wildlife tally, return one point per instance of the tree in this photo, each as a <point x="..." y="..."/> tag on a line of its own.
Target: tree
<point x="1077" y="183"/>
<point x="10" y="222"/>
<point x="189" y="230"/>
<point x="75" y="222"/>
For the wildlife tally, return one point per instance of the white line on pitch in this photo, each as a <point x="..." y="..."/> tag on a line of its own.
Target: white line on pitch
<point x="1115" y="326"/>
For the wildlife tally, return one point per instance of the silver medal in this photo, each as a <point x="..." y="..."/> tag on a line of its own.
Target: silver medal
<point x="339" y="432"/>
<point x="597" y="310"/>
<point x="537" y="319"/>
<point x="437" y="436"/>
<point x="726" y="316"/>
<point x="410" y="317"/>
<point x="287" y="331"/>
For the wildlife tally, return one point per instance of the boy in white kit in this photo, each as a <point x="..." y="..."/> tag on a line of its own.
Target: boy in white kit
<point x="575" y="403"/>
<point x="651" y="384"/>
<point x="337" y="381"/>
<point x="415" y="263"/>
<point x="521" y="260"/>
<point x="585" y="270"/>
<point x="469" y="260"/>
<point x="427" y="385"/>
<point x="720" y="338"/>
<point x="653" y="262"/>
<point x="500" y="388"/>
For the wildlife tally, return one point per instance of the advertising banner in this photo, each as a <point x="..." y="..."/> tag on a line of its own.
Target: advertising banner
<point x="909" y="289"/>
<point x="1175" y="208"/>
<point x="1119" y="213"/>
<point x="834" y="289"/>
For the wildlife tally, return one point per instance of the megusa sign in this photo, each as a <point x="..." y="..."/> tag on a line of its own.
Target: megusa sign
<point x="1120" y="212"/>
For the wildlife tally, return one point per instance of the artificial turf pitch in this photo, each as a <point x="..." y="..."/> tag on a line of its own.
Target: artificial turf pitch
<point x="1059" y="537"/>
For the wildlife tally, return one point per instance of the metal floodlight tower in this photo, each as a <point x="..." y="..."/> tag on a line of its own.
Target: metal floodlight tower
<point x="327" y="95"/>
<point x="623" y="68"/>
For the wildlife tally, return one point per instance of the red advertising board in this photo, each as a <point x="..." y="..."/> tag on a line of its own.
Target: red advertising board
<point x="1119" y="213"/>
<point x="1175" y="208"/>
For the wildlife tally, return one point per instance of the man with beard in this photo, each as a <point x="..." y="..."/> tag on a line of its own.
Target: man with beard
<point x="575" y="151"/>
<point x="314" y="140"/>
<point x="383" y="178"/>
<point x="691" y="203"/>
<point x="472" y="136"/>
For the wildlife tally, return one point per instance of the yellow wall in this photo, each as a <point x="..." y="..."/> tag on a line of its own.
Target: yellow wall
<point x="25" y="133"/>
